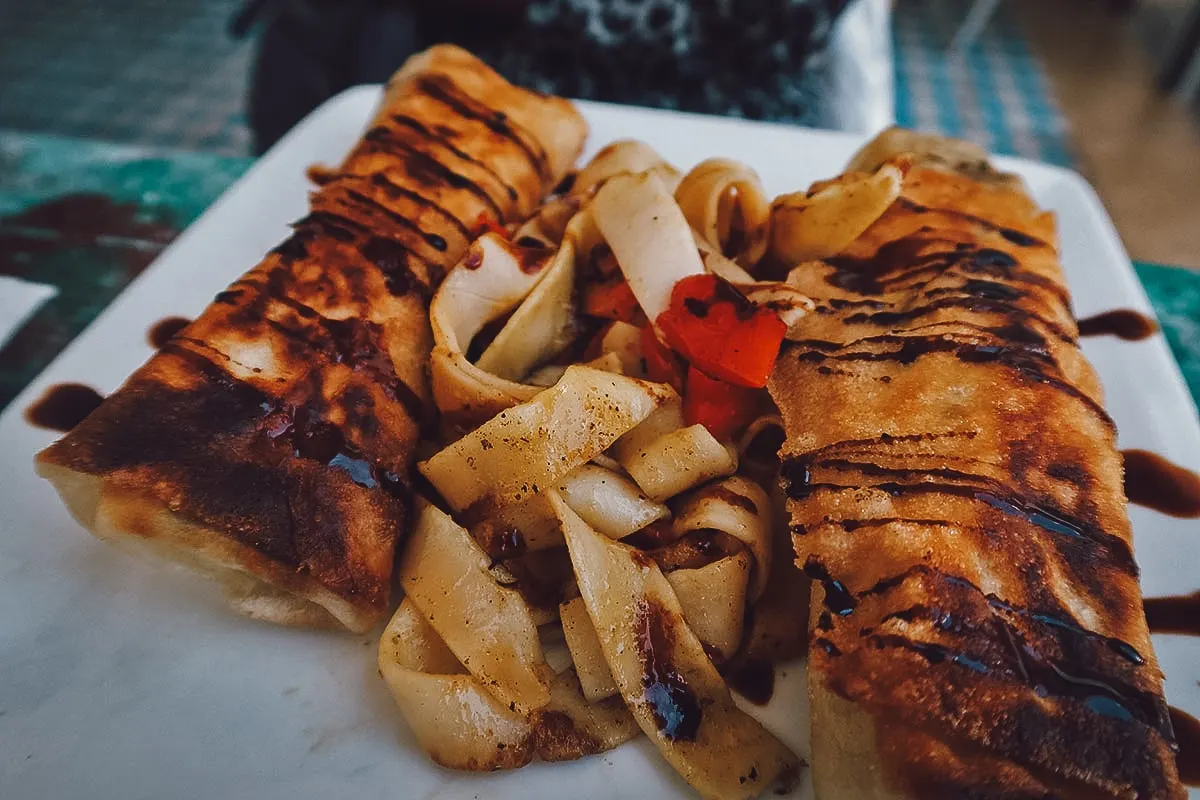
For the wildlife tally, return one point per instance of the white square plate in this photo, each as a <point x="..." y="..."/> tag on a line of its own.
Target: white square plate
<point x="124" y="679"/>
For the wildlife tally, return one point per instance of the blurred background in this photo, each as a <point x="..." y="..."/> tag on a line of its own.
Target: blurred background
<point x="138" y="113"/>
<point x="1077" y="82"/>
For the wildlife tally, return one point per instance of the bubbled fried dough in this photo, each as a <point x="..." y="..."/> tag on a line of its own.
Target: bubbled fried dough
<point x="269" y="442"/>
<point x="955" y="492"/>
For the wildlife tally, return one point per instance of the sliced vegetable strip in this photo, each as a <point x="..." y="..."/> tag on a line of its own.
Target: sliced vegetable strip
<point x="718" y="330"/>
<point x="675" y="693"/>
<point x="723" y="408"/>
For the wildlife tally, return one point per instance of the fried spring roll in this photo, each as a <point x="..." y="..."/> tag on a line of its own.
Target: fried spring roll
<point x="956" y="495"/>
<point x="269" y="443"/>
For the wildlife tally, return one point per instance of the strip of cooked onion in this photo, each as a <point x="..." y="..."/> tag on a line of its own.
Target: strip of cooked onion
<point x="675" y="693"/>
<point x="624" y="157"/>
<point x="773" y="634"/>
<point x="548" y="224"/>
<point x="713" y="599"/>
<point x="676" y="461"/>
<point x="649" y="236"/>
<point x="610" y="503"/>
<point x="530" y="447"/>
<point x="462" y="726"/>
<point x="786" y="300"/>
<point x="721" y="266"/>
<point x="571" y="727"/>
<point x="762" y="440"/>
<point x="625" y="342"/>
<point x="806" y="226"/>
<point x="542" y="325"/>
<point x="595" y="678"/>
<point x="551" y="373"/>
<point x="488" y="283"/>
<point x="458" y="722"/>
<point x="724" y="202"/>
<point x="488" y="627"/>
<point x="740" y="508"/>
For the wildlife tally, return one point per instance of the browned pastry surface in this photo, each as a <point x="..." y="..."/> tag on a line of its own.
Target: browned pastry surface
<point x="956" y="495"/>
<point x="270" y="440"/>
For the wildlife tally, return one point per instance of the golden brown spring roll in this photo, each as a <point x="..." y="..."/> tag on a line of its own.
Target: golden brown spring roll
<point x="269" y="443"/>
<point x="956" y="495"/>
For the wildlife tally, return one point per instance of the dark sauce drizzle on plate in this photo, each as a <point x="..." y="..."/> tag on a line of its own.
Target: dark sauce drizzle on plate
<point x="1124" y="323"/>
<point x="165" y="329"/>
<point x="1155" y="482"/>
<point x="1177" y="614"/>
<point x="63" y="406"/>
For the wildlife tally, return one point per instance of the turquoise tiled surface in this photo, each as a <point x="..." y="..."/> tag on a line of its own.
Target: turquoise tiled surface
<point x="997" y="93"/>
<point x="154" y="193"/>
<point x="1175" y="294"/>
<point x="143" y="196"/>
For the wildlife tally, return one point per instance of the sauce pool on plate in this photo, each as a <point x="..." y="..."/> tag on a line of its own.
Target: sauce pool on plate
<point x="1124" y="323"/>
<point x="1178" y="614"/>
<point x="165" y="329"/>
<point x="63" y="406"/>
<point x="1157" y="483"/>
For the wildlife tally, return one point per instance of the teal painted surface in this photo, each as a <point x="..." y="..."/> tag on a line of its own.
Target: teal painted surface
<point x="1175" y="295"/>
<point x="87" y="217"/>
<point x="172" y="185"/>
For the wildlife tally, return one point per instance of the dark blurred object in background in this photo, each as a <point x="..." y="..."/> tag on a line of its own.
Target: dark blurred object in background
<point x="750" y="58"/>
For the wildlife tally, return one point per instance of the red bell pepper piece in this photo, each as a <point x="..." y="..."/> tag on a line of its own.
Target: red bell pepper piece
<point x="611" y="300"/>
<point x="723" y="408"/>
<point x="484" y="223"/>
<point x="720" y="331"/>
<point x="661" y="364"/>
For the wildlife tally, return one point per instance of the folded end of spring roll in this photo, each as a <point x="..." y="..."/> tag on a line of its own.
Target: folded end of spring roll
<point x="269" y="443"/>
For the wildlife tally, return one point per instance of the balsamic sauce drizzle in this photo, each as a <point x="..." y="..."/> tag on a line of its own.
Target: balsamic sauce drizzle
<point x="992" y="282"/>
<point x="63" y="406"/>
<point x="1178" y="614"/>
<point x="797" y="475"/>
<point x="1100" y="693"/>
<point x="443" y="139"/>
<point x="1157" y="483"/>
<point x="165" y="329"/>
<point x="1124" y="323"/>
<point x="675" y="707"/>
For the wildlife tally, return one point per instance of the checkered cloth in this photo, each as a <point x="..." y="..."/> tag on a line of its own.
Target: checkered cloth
<point x="996" y="94"/>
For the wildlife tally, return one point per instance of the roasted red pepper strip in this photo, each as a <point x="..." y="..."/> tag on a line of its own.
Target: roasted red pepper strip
<point x="611" y="300"/>
<point x="721" y="332"/>
<point x="723" y="408"/>
<point x="485" y="223"/>
<point x="661" y="364"/>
